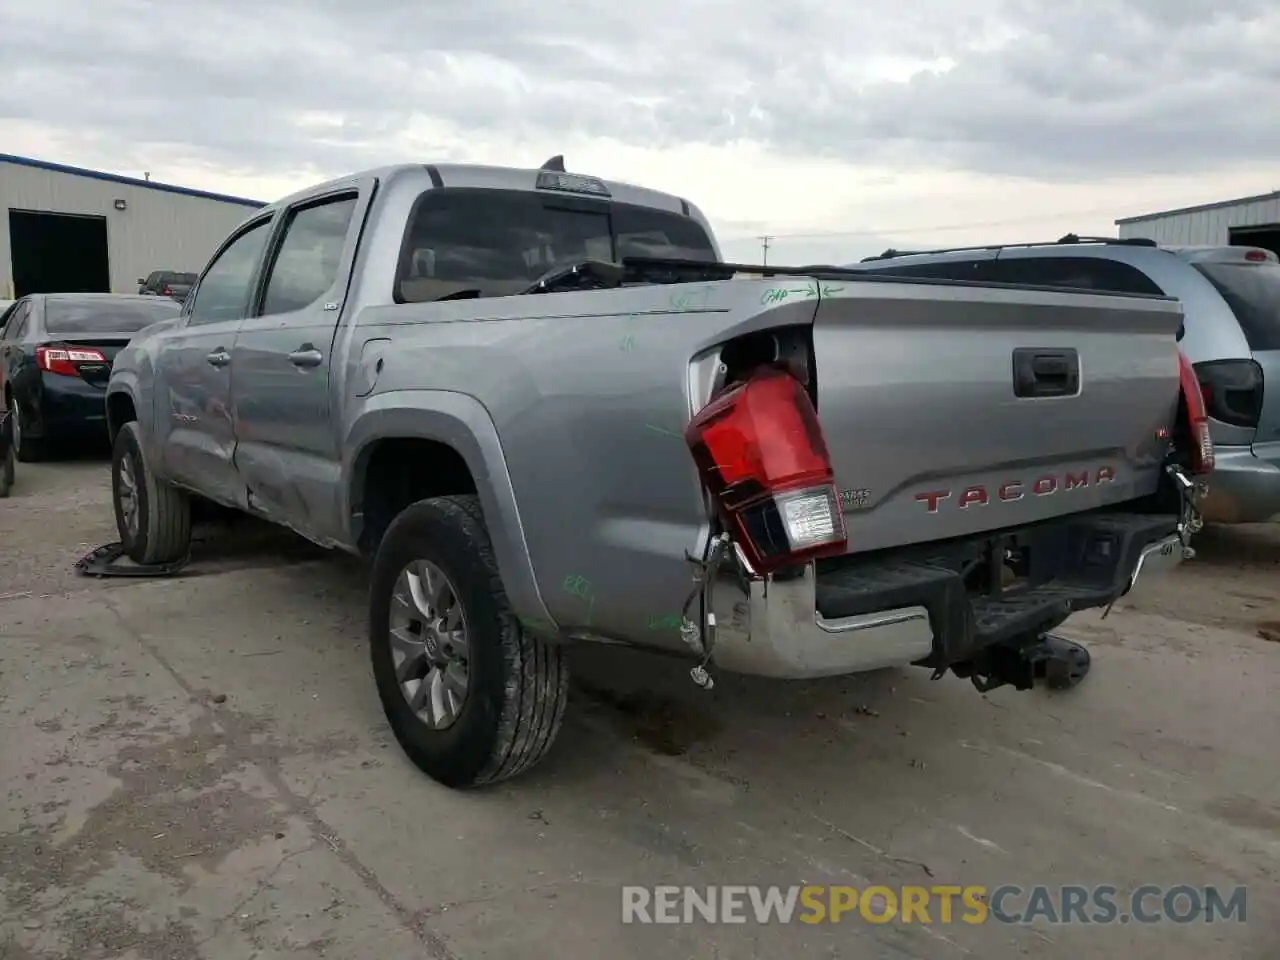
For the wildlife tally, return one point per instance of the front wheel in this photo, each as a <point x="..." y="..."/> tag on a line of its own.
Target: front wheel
<point x="153" y="518"/>
<point x="470" y="695"/>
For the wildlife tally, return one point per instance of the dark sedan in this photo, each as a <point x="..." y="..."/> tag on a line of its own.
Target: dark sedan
<point x="55" y="358"/>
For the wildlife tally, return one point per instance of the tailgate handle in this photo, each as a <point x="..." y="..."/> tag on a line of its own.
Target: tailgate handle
<point x="1045" y="373"/>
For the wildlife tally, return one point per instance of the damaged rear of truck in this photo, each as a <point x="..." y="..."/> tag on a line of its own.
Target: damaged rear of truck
<point x="818" y="474"/>
<point x="542" y="437"/>
<point x="968" y="466"/>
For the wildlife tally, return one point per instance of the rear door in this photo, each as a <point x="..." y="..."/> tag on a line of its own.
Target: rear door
<point x="192" y="387"/>
<point x="1249" y="280"/>
<point x="287" y="443"/>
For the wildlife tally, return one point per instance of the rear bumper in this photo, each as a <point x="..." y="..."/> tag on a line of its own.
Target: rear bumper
<point x="68" y="405"/>
<point x="857" y="616"/>
<point x="1245" y="484"/>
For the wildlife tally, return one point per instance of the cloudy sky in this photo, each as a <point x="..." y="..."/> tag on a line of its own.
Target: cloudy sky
<point x="839" y="128"/>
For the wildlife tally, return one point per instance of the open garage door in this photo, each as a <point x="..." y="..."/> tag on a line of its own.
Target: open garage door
<point x="1266" y="237"/>
<point x="58" y="253"/>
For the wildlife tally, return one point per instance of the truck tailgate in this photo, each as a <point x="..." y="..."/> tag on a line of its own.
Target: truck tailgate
<point x="951" y="409"/>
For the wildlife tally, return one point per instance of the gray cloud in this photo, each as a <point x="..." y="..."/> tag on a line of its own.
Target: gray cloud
<point x="1047" y="90"/>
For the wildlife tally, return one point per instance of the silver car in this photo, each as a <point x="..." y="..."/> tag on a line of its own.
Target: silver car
<point x="1231" y="298"/>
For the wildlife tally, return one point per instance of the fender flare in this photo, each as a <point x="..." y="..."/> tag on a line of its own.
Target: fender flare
<point x="463" y="423"/>
<point x="126" y="382"/>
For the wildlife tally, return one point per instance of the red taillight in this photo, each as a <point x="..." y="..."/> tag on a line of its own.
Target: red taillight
<point x="63" y="360"/>
<point x="1256" y="256"/>
<point x="167" y="291"/>
<point x="761" y="453"/>
<point x="1197" y="417"/>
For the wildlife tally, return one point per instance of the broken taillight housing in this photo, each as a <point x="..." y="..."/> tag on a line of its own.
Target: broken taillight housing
<point x="761" y="455"/>
<point x="1197" y="417"/>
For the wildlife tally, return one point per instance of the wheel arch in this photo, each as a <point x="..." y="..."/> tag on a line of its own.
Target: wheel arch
<point x="446" y="432"/>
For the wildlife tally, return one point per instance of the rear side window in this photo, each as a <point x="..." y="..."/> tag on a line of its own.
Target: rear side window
<point x="1088" y="273"/>
<point x="499" y="242"/>
<point x="938" y="270"/>
<point x="306" y="264"/>
<point x="1253" y="293"/>
<point x="77" y="318"/>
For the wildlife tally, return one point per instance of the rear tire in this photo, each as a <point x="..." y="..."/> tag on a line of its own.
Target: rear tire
<point x="7" y="470"/>
<point x="153" y="518"/>
<point x="515" y="685"/>
<point x="26" y="449"/>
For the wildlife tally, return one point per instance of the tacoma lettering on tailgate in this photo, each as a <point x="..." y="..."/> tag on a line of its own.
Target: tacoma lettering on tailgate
<point x="980" y="495"/>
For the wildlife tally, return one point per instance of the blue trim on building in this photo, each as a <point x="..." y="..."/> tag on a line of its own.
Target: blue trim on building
<point x="129" y="181"/>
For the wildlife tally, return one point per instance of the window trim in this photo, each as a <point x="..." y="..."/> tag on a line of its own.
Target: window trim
<point x="281" y="234"/>
<point x="188" y="304"/>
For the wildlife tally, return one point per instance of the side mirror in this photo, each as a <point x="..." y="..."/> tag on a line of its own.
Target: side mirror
<point x="141" y="282"/>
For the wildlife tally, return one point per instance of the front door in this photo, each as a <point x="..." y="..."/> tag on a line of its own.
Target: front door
<point x="194" y="431"/>
<point x="288" y="450"/>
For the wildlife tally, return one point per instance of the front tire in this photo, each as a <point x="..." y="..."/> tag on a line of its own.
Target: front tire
<point x="471" y="697"/>
<point x="153" y="518"/>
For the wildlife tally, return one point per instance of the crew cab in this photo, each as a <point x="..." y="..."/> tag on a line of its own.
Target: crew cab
<point x="549" y="414"/>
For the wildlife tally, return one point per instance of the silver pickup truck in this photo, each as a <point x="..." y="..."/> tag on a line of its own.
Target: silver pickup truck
<point x="549" y="413"/>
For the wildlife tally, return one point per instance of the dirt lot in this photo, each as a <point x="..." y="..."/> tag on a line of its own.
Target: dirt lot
<point x="199" y="768"/>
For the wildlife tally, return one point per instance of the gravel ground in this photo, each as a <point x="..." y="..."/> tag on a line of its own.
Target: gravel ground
<point x="199" y="768"/>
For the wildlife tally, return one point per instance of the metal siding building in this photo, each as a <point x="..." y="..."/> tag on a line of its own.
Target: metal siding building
<point x="1244" y="221"/>
<point x="146" y="226"/>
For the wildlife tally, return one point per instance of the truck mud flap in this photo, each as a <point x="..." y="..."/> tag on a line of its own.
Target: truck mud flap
<point x="104" y="561"/>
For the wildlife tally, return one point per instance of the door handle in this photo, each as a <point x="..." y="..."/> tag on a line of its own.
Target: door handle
<point x="306" y="356"/>
<point x="219" y="357"/>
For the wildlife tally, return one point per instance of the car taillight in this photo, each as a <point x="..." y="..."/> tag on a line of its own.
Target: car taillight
<point x="761" y="455"/>
<point x="167" y="291"/>
<point x="1197" y="417"/>
<point x="63" y="360"/>
<point x="1232" y="390"/>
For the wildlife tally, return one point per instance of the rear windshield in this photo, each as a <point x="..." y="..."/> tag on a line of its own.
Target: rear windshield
<point x="184" y="278"/>
<point x="66" y="318"/>
<point x="1253" y="293"/>
<point x="500" y="241"/>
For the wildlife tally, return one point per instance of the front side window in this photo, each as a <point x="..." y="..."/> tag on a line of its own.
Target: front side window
<point x="494" y="243"/>
<point x="224" y="291"/>
<point x="9" y="320"/>
<point x="306" y="265"/>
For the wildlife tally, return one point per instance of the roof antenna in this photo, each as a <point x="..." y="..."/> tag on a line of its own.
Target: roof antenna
<point x="556" y="163"/>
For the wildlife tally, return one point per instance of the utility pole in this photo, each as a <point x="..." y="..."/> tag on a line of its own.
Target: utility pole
<point x="764" y="249"/>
